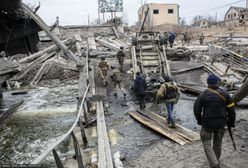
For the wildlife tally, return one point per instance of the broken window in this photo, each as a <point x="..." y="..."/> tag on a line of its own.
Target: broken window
<point x="170" y="11"/>
<point x="155" y="11"/>
<point x="243" y="16"/>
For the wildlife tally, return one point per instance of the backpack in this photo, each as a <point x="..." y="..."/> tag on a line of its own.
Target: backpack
<point x="116" y="76"/>
<point x="171" y="92"/>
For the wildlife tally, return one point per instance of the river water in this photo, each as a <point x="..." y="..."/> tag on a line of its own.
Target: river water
<point x="45" y="115"/>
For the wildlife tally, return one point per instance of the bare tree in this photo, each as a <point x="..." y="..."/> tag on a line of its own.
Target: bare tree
<point x="196" y="20"/>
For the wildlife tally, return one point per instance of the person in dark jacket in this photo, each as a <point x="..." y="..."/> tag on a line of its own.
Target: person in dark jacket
<point x="171" y="37"/>
<point x="213" y="109"/>
<point x="140" y="88"/>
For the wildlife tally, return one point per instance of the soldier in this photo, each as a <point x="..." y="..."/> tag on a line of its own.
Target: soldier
<point x="201" y="39"/>
<point x="166" y="39"/>
<point x="102" y="70"/>
<point x="185" y="38"/>
<point x="115" y="75"/>
<point x="213" y="109"/>
<point x="120" y="57"/>
<point x="170" y="93"/>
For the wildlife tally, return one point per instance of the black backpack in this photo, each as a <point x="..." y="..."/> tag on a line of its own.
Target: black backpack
<point x="171" y="92"/>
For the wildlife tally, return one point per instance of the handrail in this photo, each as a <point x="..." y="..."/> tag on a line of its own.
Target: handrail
<point x="53" y="146"/>
<point x="80" y="111"/>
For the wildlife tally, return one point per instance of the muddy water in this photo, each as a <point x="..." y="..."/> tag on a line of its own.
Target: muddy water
<point x="46" y="114"/>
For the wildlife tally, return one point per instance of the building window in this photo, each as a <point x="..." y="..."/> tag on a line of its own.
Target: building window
<point x="243" y="16"/>
<point x="228" y="16"/>
<point x="170" y="11"/>
<point x="203" y="23"/>
<point x="234" y="14"/>
<point x="155" y="11"/>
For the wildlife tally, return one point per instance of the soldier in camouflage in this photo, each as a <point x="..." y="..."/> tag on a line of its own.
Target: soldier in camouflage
<point x="120" y="57"/>
<point x="102" y="71"/>
<point x="116" y="77"/>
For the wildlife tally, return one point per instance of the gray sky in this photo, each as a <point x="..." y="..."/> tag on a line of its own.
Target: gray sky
<point x="75" y="12"/>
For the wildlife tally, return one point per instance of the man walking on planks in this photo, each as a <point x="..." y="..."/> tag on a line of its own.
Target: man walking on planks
<point x="115" y="75"/>
<point x="213" y="109"/>
<point x="170" y="93"/>
<point x="120" y="57"/>
<point x="102" y="71"/>
<point x="140" y="87"/>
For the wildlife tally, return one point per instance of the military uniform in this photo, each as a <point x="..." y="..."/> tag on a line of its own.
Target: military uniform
<point x="102" y="72"/>
<point x="120" y="57"/>
<point x="116" y="77"/>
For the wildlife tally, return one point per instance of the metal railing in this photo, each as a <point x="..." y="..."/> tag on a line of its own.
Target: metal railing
<point x="230" y="57"/>
<point x="82" y="110"/>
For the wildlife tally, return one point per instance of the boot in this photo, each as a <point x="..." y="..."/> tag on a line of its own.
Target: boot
<point x="172" y="125"/>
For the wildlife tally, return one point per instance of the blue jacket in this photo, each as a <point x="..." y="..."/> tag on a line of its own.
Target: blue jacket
<point x="140" y="85"/>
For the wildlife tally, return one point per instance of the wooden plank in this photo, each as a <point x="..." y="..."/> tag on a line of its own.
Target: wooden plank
<point x="159" y="128"/>
<point x="186" y="70"/>
<point x="180" y="130"/>
<point x="30" y="66"/>
<point x="194" y="89"/>
<point x="47" y="50"/>
<point x="107" y="44"/>
<point x="104" y="153"/>
<point x="91" y="43"/>
<point x="78" y="41"/>
<point x="117" y="35"/>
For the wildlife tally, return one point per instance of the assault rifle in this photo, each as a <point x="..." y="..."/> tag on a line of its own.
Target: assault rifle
<point x="231" y="135"/>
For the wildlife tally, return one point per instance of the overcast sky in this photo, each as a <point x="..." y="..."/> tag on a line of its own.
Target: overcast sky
<point x="75" y="12"/>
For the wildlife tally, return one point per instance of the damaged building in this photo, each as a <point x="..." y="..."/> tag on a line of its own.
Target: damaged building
<point x="158" y="14"/>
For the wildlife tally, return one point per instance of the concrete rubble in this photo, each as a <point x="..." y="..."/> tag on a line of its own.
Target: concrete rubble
<point x="132" y="144"/>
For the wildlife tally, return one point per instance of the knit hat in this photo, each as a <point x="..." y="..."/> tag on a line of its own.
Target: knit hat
<point x="167" y="78"/>
<point x="212" y="79"/>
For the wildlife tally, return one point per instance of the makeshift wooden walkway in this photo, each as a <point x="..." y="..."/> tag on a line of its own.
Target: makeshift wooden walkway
<point x="179" y="134"/>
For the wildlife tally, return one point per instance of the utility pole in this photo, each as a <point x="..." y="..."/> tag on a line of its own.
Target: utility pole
<point x="88" y="19"/>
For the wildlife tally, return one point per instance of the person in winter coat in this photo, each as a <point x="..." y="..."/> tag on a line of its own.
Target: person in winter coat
<point x="213" y="109"/>
<point x="171" y="37"/>
<point x="170" y="94"/>
<point x="140" y="87"/>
